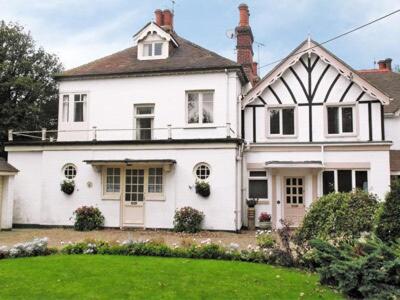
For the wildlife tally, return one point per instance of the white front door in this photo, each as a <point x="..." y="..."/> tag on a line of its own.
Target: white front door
<point x="133" y="199"/>
<point x="294" y="207"/>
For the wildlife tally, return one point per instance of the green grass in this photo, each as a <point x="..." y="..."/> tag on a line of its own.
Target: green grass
<point x="122" y="277"/>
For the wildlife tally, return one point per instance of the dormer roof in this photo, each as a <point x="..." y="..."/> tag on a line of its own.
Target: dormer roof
<point x="151" y="28"/>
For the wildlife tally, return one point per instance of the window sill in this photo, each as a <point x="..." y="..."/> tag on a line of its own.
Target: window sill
<point x="111" y="197"/>
<point x="154" y="197"/>
<point x="263" y="202"/>
<point x="336" y="135"/>
<point x="282" y="136"/>
<point x="199" y="126"/>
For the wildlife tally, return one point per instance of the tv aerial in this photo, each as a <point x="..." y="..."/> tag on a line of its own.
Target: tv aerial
<point x="230" y="34"/>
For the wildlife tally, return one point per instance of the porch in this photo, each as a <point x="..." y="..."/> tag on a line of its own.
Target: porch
<point x="7" y="173"/>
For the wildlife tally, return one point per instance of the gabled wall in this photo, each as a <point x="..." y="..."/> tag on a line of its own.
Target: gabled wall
<point x="310" y="86"/>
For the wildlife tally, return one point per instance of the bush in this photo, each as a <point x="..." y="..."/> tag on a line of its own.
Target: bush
<point x="203" y="188"/>
<point x="364" y="268"/>
<point x="188" y="219"/>
<point x="88" y="218"/>
<point x="68" y="186"/>
<point x="338" y="216"/>
<point x="388" y="228"/>
<point x="265" y="239"/>
<point x="37" y="247"/>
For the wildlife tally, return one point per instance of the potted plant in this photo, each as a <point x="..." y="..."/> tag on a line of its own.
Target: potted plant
<point x="68" y="186"/>
<point x="203" y="188"/>
<point x="265" y="221"/>
<point x="251" y="213"/>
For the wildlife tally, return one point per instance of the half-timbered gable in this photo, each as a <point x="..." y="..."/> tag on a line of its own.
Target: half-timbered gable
<point x="312" y="96"/>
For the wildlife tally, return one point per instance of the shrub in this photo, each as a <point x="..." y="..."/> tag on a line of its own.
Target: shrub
<point x="251" y="202"/>
<point x="264" y="217"/>
<point x="364" y="268"/>
<point x="203" y="188"/>
<point x="188" y="219"/>
<point x="388" y="228"/>
<point x="265" y="239"/>
<point x="88" y="218"/>
<point x="36" y="247"/>
<point x="68" y="186"/>
<point x="338" y="216"/>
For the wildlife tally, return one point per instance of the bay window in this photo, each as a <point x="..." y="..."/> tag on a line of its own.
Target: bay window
<point x="258" y="185"/>
<point x="340" y="119"/>
<point x="344" y="180"/>
<point x="200" y="107"/>
<point x="282" y="121"/>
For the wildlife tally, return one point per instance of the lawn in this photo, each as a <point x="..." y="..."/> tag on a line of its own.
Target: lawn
<point x="122" y="277"/>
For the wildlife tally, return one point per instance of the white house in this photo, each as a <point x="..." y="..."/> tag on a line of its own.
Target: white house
<point x="138" y="128"/>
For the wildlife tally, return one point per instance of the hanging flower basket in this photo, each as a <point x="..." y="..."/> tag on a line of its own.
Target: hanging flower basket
<point x="68" y="186"/>
<point x="203" y="188"/>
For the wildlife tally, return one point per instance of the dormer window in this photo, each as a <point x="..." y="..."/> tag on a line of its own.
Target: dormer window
<point x="152" y="49"/>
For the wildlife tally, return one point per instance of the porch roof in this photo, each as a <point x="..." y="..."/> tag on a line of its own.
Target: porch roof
<point x="128" y="161"/>
<point x="310" y="164"/>
<point x="6" y="168"/>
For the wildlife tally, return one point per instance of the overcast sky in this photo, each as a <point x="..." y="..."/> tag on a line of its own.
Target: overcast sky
<point x="79" y="31"/>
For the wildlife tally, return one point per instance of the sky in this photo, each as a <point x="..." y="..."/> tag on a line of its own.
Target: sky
<point x="79" y="31"/>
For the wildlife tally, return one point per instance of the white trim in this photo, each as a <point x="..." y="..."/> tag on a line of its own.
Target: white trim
<point x="260" y="178"/>
<point x="200" y="112"/>
<point x="280" y="108"/>
<point x="292" y="59"/>
<point x="198" y="165"/>
<point x="355" y="114"/>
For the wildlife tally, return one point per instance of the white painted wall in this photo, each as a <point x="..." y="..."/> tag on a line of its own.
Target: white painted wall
<point x="392" y="131"/>
<point x="111" y="105"/>
<point x="6" y="202"/>
<point x="38" y="198"/>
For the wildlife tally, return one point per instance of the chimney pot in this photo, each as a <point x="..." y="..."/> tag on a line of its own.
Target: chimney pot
<point x="159" y="17"/>
<point x="244" y="15"/>
<point x="255" y="65"/>
<point x="168" y="20"/>
<point x="385" y="64"/>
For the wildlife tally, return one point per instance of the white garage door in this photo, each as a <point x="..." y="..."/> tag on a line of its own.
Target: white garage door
<point x="1" y="197"/>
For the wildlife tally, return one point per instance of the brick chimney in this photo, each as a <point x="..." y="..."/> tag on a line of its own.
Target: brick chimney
<point x="164" y="19"/>
<point x="385" y="64"/>
<point x="244" y="45"/>
<point x="159" y="17"/>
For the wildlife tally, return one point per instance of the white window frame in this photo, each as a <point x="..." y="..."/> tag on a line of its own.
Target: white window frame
<point x="64" y="168"/>
<point x="71" y="107"/>
<point x="154" y="196"/>
<point x="200" y="122"/>
<point x="198" y="165"/>
<point x="354" y="106"/>
<point x="82" y="100"/>
<point x="111" y="195"/>
<point x="260" y="178"/>
<point x="280" y="108"/>
<point x="137" y="116"/>
<point x="353" y="178"/>
<point x="65" y="108"/>
<point x="153" y="49"/>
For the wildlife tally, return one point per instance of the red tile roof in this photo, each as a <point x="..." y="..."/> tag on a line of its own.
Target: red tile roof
<point x="187" y="57"/>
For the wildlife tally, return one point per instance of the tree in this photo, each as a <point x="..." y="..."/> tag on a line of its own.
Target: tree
<point x="388" y="228"/>
<point x="28" y="91"/>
